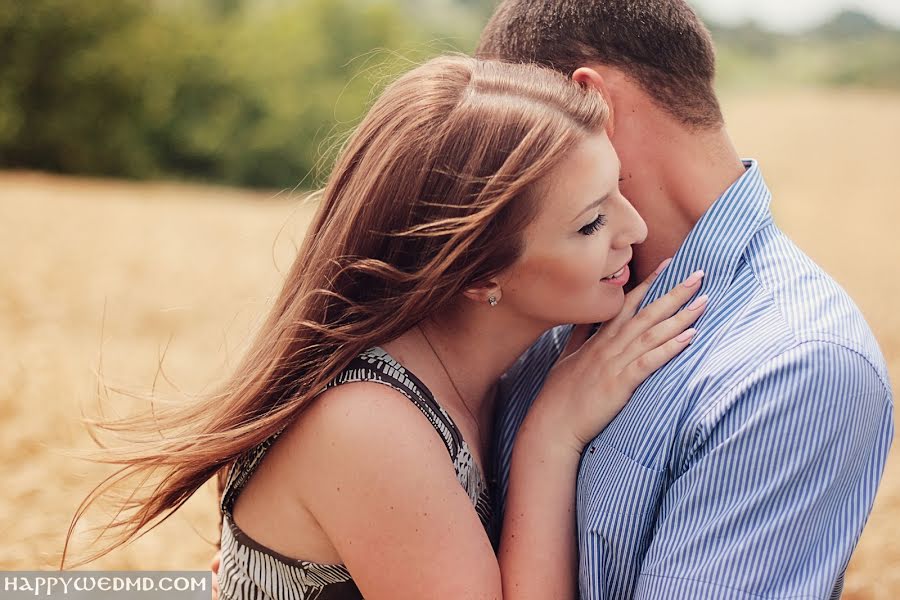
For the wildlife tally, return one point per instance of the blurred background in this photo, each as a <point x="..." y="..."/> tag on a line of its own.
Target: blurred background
<point x="154" y="156"/>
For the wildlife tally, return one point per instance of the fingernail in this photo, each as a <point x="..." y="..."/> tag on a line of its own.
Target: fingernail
<point x="687" y="335"/>
<point x="700" y="301"/>
<point x="662" y="266"/>
<point x="694" y="279"/>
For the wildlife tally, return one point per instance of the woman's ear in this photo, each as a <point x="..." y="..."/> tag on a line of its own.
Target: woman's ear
<point x="487" y="292"/>
<point x="593" y="79"/>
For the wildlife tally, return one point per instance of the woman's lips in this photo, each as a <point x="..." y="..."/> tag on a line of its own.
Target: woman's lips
<point x="618" y="279"/>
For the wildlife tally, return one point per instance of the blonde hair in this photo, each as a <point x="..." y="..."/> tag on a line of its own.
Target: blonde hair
<point x="430" y="195"/>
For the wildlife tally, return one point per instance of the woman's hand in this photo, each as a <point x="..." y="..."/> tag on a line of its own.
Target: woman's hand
<point x="584" y="390"/>
<point x="588" y="387"/>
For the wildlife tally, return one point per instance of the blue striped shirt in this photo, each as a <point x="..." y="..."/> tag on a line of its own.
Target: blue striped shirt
<point x="747" y="466"/>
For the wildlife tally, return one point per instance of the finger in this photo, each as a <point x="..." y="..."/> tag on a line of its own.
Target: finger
<point x="665" y="331"/>
<point x="658" y="311"/>
<point x="646" y="364"/>
<point x="633" y="300"/>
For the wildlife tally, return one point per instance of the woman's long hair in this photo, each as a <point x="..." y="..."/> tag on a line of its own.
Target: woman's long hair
<point x="429" y="196"/>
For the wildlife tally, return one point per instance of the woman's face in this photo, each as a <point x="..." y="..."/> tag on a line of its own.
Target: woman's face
<point x="577" y="249"/>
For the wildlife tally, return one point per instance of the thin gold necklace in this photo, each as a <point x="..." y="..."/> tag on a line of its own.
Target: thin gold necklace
<point x="455" y="389"/>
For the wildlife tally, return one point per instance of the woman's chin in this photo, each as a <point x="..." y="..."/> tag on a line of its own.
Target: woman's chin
<point x="608" y="310"/>
<point x="598" y="310"/>
<point x="596" y="317"/>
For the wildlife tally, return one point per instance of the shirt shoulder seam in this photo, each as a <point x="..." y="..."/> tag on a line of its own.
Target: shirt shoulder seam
<point x="878" y="372"/>
<point x="798" y="343"/>
<point x="800" y="339"/>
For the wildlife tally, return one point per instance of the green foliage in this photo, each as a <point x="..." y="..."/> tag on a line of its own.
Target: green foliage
<point x="63" y="102"/>
<point x="237" y="92"/>
<point x="261" y="92"/>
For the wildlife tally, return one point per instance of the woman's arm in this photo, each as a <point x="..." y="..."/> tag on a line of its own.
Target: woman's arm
<point x="376" y="477"/>
<point x="582" y="394"/>
<point x="379" y="481"/>
<point x="538" y="548"/>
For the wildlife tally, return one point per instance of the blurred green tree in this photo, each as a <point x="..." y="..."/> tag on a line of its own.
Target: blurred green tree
<point x="249" y="93"/>
<point x="63" y="104"/>
<point x="262" y="92"/>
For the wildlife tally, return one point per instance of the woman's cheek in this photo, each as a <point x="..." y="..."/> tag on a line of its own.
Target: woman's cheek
<point x="576" y="278"/>
<point x="572" y="272"/>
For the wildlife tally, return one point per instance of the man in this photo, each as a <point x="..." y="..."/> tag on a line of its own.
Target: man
<point x="747" y="466"/>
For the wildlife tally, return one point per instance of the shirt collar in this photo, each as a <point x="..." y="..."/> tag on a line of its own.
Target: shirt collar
<point x="720" y="237"/>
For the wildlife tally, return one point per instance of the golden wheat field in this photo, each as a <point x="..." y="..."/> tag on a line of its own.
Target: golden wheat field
<point x="99" y="275"/>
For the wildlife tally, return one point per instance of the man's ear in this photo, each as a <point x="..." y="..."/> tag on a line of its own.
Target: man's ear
<point x="592" y="79"/>
<point x="481" y="293"/>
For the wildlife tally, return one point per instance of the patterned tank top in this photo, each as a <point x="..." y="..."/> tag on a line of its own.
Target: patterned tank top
<point x="249" y="570"/>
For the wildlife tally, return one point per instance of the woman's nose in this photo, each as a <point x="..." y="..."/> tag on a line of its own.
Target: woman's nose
<point x="634" y="229"/>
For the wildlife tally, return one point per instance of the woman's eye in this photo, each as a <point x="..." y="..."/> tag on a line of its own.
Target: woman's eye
<point x="594" y="226"/>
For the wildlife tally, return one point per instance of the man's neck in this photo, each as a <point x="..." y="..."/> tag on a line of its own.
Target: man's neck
<point x="681" y="178"/>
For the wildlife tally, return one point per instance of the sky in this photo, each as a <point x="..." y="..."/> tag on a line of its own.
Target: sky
<point x="793" y="15"/>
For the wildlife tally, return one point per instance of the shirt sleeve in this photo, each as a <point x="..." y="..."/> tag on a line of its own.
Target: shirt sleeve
<point x="775" y="486"/>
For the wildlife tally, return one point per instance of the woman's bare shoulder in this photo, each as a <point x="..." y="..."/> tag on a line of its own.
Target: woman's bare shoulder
<point x="382" y="488"/>
<point x="353" y="425"/>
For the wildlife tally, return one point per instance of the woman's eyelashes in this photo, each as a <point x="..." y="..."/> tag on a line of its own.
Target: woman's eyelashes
<point x="594" y="226"/>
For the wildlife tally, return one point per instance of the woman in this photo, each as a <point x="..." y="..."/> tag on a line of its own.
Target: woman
<point x="475" y="207"/>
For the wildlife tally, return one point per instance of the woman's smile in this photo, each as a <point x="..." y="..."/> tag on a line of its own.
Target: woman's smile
<point x="619" y="278"/>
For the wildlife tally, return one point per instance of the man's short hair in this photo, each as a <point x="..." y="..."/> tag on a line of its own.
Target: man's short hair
<point x="661" y="44"/>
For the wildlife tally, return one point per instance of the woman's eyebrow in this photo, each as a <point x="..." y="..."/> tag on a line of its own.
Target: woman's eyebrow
<point x="593" y="204"/>
<point x="599" y="201"/>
